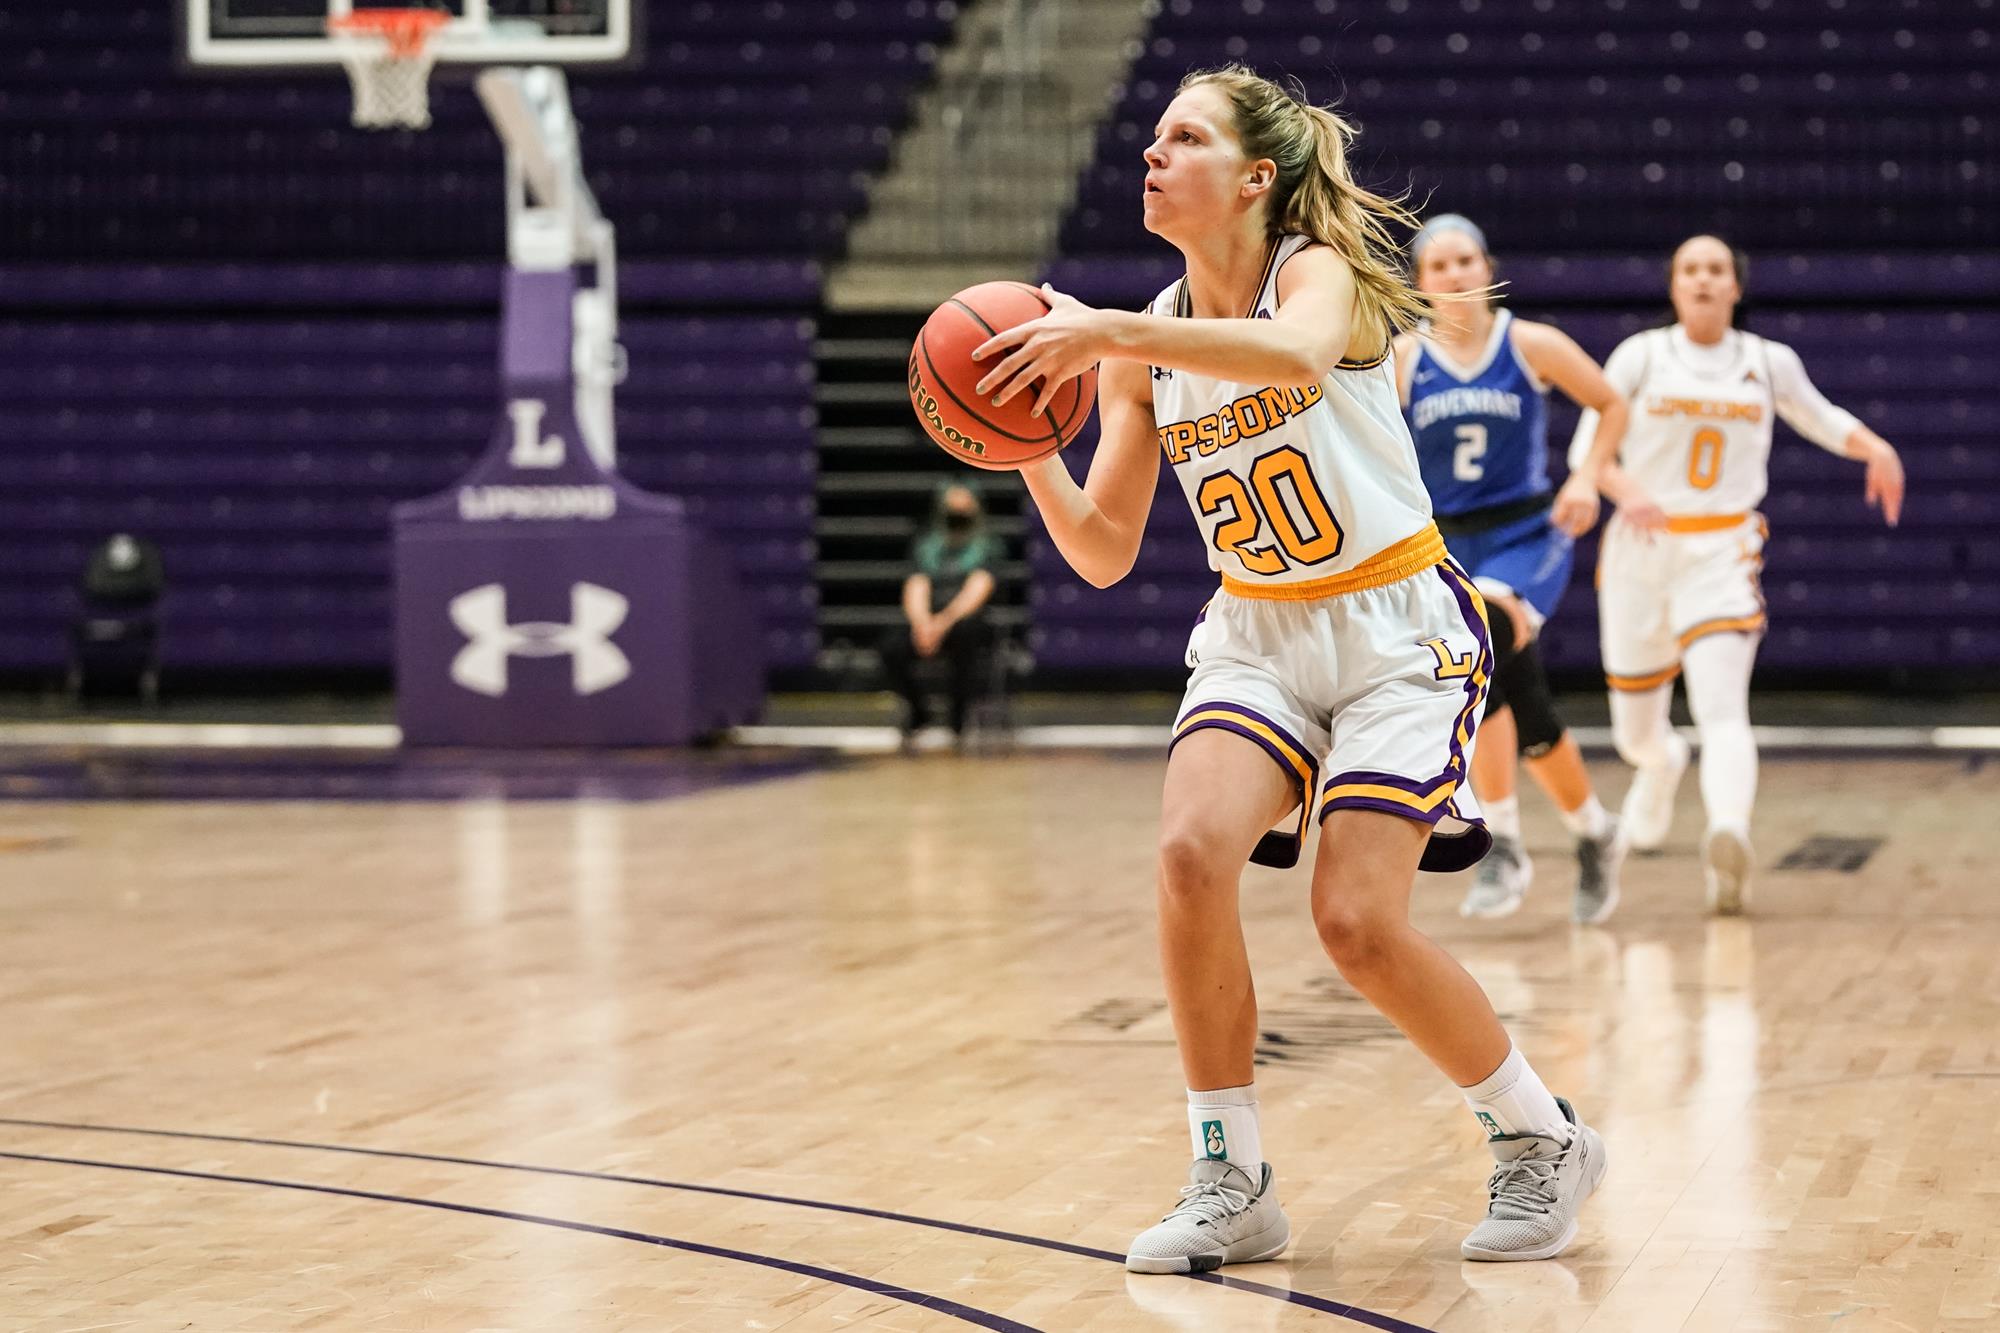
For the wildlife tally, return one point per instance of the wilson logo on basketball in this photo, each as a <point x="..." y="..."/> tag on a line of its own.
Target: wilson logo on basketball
<point x="926" y="404"/>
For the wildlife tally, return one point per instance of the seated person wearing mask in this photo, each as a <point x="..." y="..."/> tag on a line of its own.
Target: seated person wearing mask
<point x="944" y="598"/>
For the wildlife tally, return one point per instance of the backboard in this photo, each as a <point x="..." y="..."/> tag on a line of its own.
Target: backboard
<point x="250" y="34"/>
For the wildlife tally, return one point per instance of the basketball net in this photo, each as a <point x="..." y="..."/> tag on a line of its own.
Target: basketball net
<point x="389" y="57"/>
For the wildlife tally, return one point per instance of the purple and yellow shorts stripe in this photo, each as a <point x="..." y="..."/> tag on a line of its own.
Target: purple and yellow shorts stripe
<point x="1392" y="794"/>
<point x="1278" y="850"/>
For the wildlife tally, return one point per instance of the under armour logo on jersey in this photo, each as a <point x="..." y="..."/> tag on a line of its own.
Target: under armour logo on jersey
<point x="1162" y="373"/>
<point x="595" y="613"/>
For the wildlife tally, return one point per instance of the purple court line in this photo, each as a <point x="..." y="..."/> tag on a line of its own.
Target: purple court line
<point x="1326" y="1305"/>
<point x="921" y="1300"/>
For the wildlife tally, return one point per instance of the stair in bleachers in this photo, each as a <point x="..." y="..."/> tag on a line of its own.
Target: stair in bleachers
<point x="982" y="177"/>
<point x="878" y="476"/>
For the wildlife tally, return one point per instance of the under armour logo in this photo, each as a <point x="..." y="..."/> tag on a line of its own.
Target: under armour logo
<point x="595" y="613"/>
<point x="1162" y="373"/>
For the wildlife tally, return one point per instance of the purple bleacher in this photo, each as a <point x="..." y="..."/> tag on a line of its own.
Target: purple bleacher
<point x="726" y="284"/>
<point x="746" y="130"/>
<point x="1848" y="145"/>
<point x="264" y="455"/>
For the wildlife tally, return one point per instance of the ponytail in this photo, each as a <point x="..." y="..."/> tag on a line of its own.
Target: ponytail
<point x="1316" y="194"/>
<point x="1328" y="206"/>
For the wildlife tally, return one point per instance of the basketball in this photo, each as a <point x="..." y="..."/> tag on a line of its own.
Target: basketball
<point x="943" y="373"/>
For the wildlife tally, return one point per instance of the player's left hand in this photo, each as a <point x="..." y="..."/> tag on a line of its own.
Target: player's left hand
<point x="1885" y="483"/>
<point x="1057" y="347"/>
<point x="1575" y="510"/>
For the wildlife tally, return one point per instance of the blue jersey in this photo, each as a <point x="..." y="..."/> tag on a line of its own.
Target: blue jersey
<point x="1482" y="438"/>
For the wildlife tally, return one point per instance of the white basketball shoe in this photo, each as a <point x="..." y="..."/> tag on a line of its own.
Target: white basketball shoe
<point x="1726" y="863"/>
<point x="1648" y="812"/>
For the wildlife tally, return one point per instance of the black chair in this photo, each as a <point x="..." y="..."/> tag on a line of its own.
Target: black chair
<point x="116" y="634"/>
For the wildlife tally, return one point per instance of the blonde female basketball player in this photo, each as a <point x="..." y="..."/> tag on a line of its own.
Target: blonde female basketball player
<point x="1339" y="670"/>
<point x="1703" y="394"/>
<point x="1473" y="383"/>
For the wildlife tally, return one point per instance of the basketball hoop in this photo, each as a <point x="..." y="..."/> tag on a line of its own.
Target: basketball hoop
<point x="388" y="57"/>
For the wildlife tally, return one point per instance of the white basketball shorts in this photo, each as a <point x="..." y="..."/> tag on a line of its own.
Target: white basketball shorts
<point x="1368" y="699"/>
<point x="1657" y="593"/>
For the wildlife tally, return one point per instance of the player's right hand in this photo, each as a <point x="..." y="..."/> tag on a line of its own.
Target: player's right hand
<point x="1643" y="514"/>
<point x="1575" y="510"/>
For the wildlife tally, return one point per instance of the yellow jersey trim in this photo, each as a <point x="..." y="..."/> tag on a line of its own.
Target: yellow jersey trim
<point x="1686" y="523"/>
<point x="1412" y="555"/>
<point x="1639" y="684"/>
<point x="1726" y="625"/>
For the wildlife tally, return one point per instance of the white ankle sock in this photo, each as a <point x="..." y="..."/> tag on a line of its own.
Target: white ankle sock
<point x="1503" y="818"/>
<point x="1588" y="820"/>
<point x="1222" y="1123"/>
<point x="1512" y="1100"/>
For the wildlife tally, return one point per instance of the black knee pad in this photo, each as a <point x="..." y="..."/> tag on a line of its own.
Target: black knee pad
<point x="1526" y="684"/>
<point x="1496" y="693"/>
<point x="1500" y="633"/>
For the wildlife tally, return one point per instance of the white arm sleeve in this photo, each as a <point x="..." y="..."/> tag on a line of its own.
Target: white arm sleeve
<point x="1626" y="369"/>
<point x="1804" y="408"/>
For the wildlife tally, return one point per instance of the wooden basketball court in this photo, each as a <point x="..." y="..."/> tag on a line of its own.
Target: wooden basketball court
<point x="881" y="1045"/>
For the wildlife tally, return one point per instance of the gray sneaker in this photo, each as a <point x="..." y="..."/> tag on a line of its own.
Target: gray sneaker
<point x="1500" y="882"/>
<point x="1221" y="1219"/>
<point x="1535" y="1191"/>
<point x="1597" y="864"/>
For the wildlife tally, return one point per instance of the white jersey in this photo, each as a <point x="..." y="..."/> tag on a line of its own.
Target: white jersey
<point x="1299" y="492"/>
<point x="1699" y="440"/>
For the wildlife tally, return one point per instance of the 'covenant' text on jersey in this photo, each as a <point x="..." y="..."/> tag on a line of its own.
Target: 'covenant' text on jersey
<point x="1471" y="401"/>
<point x="1245" y="419"/>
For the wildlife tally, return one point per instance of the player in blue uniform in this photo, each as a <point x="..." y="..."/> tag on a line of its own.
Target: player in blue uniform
<point x="1474" y="383"/>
